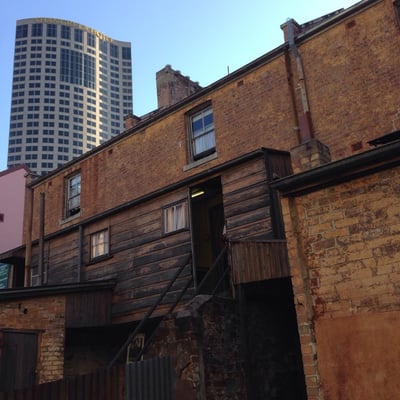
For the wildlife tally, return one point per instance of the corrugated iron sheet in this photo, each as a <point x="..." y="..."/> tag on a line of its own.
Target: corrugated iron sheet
<point x="253" y="261"/>
<point x="150" y="379"/>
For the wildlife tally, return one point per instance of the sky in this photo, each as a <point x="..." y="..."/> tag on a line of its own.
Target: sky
<point x="202" y="39"/>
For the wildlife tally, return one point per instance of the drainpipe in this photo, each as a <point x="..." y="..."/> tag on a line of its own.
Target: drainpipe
<point x="41" y="239"/>
<point x="28" y="240"/>
<point x="306" y="131"/>
<point x="80" y="254"/>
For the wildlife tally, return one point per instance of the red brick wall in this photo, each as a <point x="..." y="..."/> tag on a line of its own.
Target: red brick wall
<point x="45" y="314"/>
<point x="343" y="248"/>
<point x="351" y="72"/>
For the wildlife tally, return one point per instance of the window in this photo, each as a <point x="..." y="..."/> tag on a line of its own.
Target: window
<point x="126" y="53"/>
<point x="113" y="50"/>
<point x="99" y="244"/>
<point x="21" y="31"/>
<point x="78" y="34"/>
<point x="65" y="32"/>
<point x="37" y="29"/>
<point x="73" y="195"/>
<point x="202" y="133"/>
<point x="175" y="217"/>
<point x="51" y="30"/>
<point x="91" y="40"/>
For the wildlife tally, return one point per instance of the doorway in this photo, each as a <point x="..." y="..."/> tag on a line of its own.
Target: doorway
<point x="18" y="360"/>
<point x="207" y="222"/>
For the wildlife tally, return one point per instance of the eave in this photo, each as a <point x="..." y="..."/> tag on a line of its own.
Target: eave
<point x="344" y="170"/>
<point x="55" y="290"/>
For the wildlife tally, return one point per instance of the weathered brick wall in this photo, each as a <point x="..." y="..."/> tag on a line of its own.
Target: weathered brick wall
<point x="351" y="74"/>
<point x="351" y="70"/>
<point x="47" y="315"/>
<point x="205" y="343"/>
<point x="343" y="247"/>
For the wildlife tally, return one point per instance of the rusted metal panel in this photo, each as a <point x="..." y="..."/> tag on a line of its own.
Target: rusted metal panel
<point x="253" y="261"/>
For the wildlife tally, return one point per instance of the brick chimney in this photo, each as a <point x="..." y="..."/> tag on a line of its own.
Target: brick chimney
<point x="310" y="154"/>
<point x="172" y="87"/>
<point x="131" y="120"/>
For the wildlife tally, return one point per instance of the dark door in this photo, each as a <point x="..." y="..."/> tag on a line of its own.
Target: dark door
<point x="207" y="221"/>
<point x="18" y="360"/>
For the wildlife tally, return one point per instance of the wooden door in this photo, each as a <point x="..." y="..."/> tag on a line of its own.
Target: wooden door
<point x="18" y="360"/>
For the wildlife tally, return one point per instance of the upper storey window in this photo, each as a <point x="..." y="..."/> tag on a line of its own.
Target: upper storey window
<point x="37" y="29"/>
<point x="51" y="30"/>
<point x="126" y="53"/>
<point x="113" y="50"/>
<point x="91" y="40"/>
<point x="73" y="195"/>
<point x="65" y="32"/>
<point x="202" y="136"/>
<point x="78" y="35"/>
<point x="21" y="32"/>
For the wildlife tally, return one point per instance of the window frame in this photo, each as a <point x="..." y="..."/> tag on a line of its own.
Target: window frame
<point x="201" y="111"/>
<point x="71" y="212"/>
<point x="105" y="243"/>
<point x="171" y="227"/>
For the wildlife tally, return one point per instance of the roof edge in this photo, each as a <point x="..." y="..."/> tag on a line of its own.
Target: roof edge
<point x="343" y="170"/>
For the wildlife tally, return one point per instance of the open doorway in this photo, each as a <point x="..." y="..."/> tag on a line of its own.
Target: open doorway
<point x="207" y="222"/>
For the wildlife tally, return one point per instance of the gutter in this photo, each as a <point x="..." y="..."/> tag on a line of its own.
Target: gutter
<point x="52" y="290"/>
<point x="336" y="172"/>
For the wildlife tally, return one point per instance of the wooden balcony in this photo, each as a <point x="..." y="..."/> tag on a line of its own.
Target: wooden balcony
<point x="253" y="261"/>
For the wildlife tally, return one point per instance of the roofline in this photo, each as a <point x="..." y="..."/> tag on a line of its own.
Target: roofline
<point x="15" y="168"/>
<point x="344" y="170"/>
<point x="54" y="290"/>
<point x="264" y="59"/>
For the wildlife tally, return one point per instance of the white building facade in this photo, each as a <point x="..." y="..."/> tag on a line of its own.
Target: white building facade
<point x="72" y="88"/>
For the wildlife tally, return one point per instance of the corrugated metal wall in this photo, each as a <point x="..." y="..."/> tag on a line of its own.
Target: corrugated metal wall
<point x="150" y="379"/>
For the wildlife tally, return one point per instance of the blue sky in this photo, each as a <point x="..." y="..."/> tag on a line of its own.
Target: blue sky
<point x="202" y="39"/>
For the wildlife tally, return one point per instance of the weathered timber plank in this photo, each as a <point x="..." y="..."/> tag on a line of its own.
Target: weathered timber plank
<point x="127" y="307"/>
<point x="244" y="193"/>
<point x="245" y="171"/>
<point x="246" y="206"/>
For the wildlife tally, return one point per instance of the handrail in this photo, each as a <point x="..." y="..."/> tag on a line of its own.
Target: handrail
<point x="149" y="313"/>
<point x="212" y="268"/>
<point x="148" y="341"/>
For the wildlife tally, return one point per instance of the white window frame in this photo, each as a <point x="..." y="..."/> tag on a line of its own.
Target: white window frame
<point x="100" y="244"/>
<point x="73" y="195"/>
<point x="175" y="217"/>
<point x="202" y="135"/>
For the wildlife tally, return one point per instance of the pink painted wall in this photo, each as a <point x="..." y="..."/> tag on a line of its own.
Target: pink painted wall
<point x="12" y="199"/>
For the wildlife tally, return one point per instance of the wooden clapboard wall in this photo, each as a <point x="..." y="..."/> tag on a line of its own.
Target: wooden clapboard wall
<point x="246" y="201"/>
<point x="144" y="260"/>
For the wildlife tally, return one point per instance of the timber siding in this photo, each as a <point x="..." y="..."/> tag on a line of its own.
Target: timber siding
<point x="142" y="258"/>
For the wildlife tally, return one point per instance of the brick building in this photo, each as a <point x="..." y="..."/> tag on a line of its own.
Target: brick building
<point x="199" y="201"/>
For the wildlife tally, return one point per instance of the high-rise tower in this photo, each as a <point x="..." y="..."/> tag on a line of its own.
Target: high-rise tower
<point x="72" y="87"/>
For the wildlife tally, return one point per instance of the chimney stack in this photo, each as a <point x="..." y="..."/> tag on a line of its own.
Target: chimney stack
<point x="173" y="87"/>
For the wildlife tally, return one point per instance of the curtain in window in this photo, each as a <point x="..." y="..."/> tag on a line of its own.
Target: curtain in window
<point x="100" y="243"/>
<point x="175" y="217"/>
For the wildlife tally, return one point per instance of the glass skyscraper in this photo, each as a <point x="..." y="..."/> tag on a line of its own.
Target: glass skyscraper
<point x="72" y="87"/>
